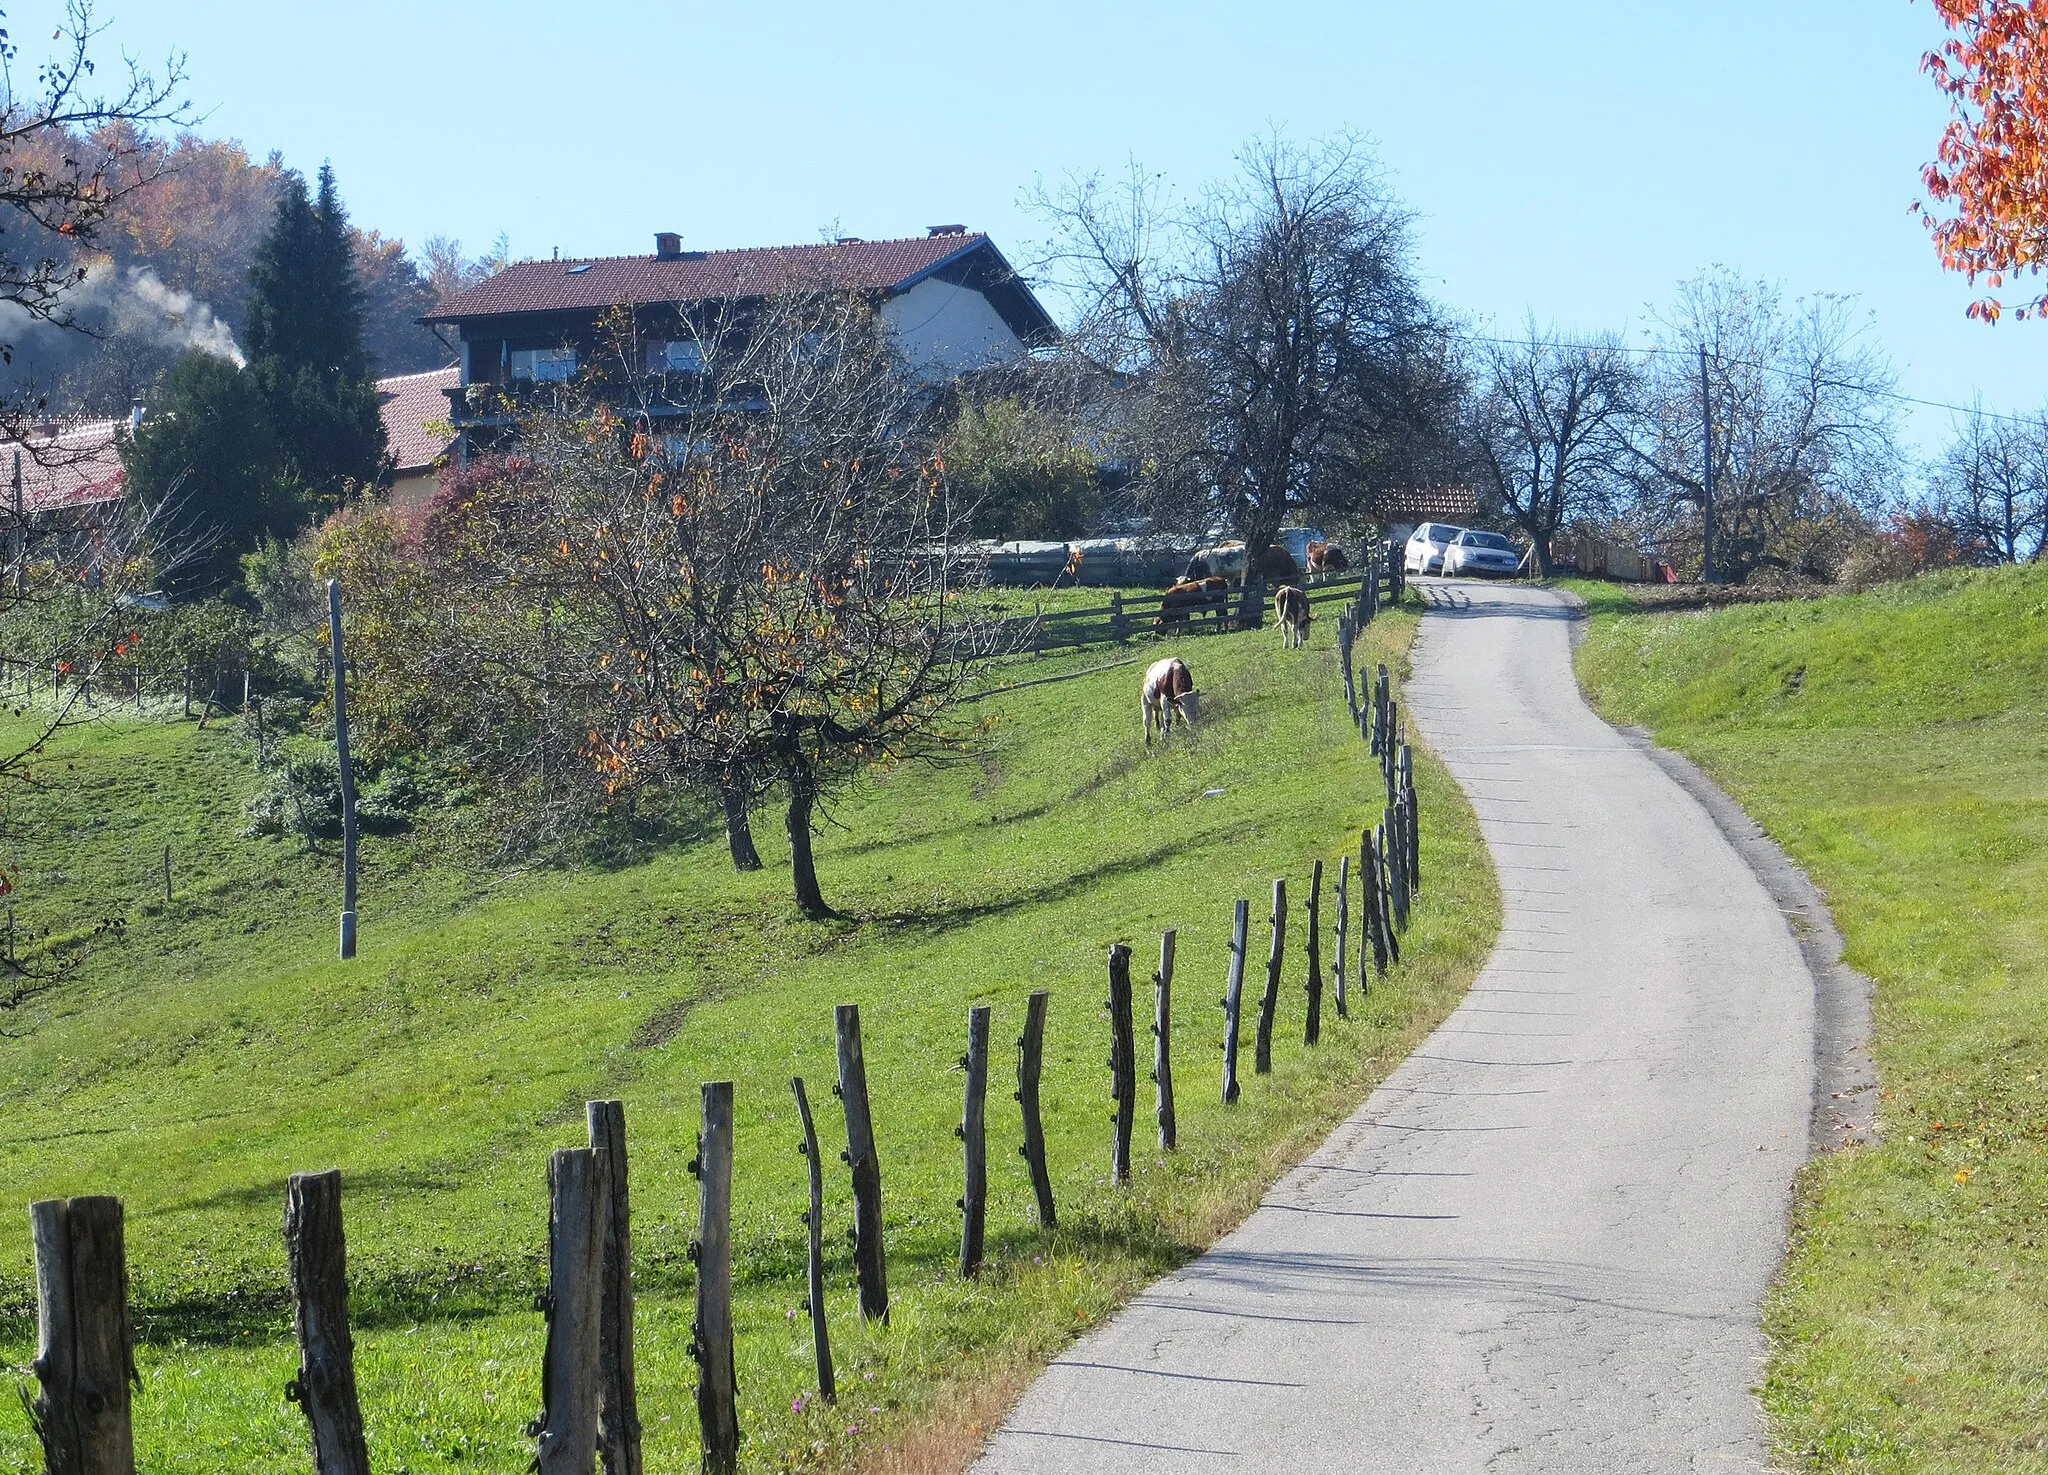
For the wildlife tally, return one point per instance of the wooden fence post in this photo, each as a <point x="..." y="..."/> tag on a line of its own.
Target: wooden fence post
<point x="1123" y="1066"/>
<point x="1162" y="1041"/>
<point x="316" y="1253"/>
<point x="1413" y="855"/>
<point x="1393" y="844"/>
<point x="1030" y="1061"/>
<point x="1233" y="998"/>
<point x="347" y="772"/>
<point x="869" y="1262"/>
<point x="973" y="1130"/>
<point x="1371" y="913"/>
<point x="84" y="1356"/>
<point x="618" y="1401"/>
<point x="1343" y="931"/>
<point x="814" y="1221"/>
<point x="717" y="1397"/>
<point x="1312" y="1026"/>
<point x="1119" y="622"/>
<point x="567" y="1426"/>
<point x="1269" y="1002"/>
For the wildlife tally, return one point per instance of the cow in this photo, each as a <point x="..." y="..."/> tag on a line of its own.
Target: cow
<point x="1186" y="600"/>
<point x="1169" y="688"/>
<point x="1291" y="605"/>
<point x="1220" y="558"/>
<point x="1326" y="558"/>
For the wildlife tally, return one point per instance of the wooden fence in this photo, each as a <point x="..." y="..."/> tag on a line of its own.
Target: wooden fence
<point x="84" y="1362"/>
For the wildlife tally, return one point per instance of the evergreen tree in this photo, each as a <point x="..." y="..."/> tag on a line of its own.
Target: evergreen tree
<point x="207" y="464"/>
<point x="304" y="333"/>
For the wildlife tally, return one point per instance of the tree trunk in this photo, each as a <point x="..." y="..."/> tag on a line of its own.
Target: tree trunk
<point x="803" y="867"/>
<point x="1541" y="544"/>
<point x="739" y="836"/>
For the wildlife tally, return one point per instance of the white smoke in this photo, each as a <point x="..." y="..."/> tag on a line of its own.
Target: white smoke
<point x="139" y="302"/>
<point x="117" y="332"/>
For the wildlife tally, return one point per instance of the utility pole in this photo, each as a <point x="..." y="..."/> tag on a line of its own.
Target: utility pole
<point x="348" y="783"/>
<point x="1706" y="474"/>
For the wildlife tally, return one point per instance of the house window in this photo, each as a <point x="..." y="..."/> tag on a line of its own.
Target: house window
<point x="544" y="365"/>
<point x="678" y="356"/>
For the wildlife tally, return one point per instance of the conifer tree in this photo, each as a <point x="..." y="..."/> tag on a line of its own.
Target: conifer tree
<point x="304" y="334"/>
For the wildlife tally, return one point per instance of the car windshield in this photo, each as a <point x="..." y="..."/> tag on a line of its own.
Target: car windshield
<point x="1437" y="534"/>
<point x="1488" y="540"/>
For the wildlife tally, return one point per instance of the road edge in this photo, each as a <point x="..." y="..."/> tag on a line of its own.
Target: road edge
<point x="1845" y="1087"/>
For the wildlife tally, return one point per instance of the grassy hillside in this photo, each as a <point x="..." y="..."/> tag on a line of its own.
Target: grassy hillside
<point x="1896" y="743"/>
<point x="218" y="1047"/>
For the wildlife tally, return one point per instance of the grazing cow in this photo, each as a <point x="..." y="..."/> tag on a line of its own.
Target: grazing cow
<point x="1291" y="605"/>
<point x="1326" y="558"/>
<point x="1169" y="688"/>
<point x="1186" y="600"/>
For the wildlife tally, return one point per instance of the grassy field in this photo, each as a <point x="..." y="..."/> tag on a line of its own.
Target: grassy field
<point x="1896" y="744"/>
<point x="218" y="1047"/>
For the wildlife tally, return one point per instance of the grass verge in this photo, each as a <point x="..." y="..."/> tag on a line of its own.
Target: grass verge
<point x="218" y="1047"/>
<point x="1894" y="743"/>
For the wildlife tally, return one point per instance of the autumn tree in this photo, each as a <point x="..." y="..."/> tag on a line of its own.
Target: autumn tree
<point x="1802" y="429"/>
<point x="1548" y="430"/>
<point x="1990" y="170"/>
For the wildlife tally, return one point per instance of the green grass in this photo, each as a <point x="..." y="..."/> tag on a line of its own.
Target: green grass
<point x="218" y="1047"/>
<point x="1896" y="744"/>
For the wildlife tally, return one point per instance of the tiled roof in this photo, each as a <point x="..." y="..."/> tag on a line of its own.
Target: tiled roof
<point x="410" y="403"/>
<point x="72" y="465"/>
<point x="1431" y="504"/>
<point x="696" y="276"/>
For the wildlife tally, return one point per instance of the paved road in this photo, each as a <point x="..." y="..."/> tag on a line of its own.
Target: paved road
<point x="1541" y="1245"/>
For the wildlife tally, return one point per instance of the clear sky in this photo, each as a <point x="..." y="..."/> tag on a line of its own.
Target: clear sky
<point x="1570" y="159"/>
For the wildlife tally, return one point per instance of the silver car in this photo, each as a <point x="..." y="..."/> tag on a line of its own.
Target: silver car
<point x="1424" y="552"/>
<point x="1474" y="552"/>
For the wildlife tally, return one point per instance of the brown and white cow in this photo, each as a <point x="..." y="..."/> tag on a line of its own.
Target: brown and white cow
<point x="1291" y="605"/>
<point x="1186" y="600"/>
<point x="1326" y="558"/>
<point x="1169" y="689"/>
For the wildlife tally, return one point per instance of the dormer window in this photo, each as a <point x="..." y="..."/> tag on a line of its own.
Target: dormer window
<point x="543" y="365"/>
<point x="677" y="356"/>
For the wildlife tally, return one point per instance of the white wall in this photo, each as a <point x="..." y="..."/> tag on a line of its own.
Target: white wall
<point x="945" y="330"/>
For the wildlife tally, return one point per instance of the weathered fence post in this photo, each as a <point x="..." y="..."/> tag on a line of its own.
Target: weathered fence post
<point x="869" y="1263"/>
<point x="1372" y="912"/>
<point x="1413" y="854"/>
<point x="618" y="1401"/>
<point x="814" y="1221"/>
<point x="1233" y="997"/>
<point x="574" y="1303"/>
<point x="1123" y="1065"/>
<point x="316" y="1253"/>
<point x="1162" y="1041"/>
<point x="1387" y="879"/>
<point x="717" y="1396"/>
<point x="1312" y="1026"/>
<point x="1393" y="846"/>
<point x="341" y="758"/>
<point x="84" y="1356"/>
<point x="1119" y="622"/>
<point x="973" y="1131"/>
<point x="1343" y="930"/>
<point x="1030" y="1061"/>
<point x="1269" y="1001"/>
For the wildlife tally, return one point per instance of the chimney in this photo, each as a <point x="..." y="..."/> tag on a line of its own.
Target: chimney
<point x="134" y="417"/>
<point x="668" y="246"/>
<point x="945" y="230"/>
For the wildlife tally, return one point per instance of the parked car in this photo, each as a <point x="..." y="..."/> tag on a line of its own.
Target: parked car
<point x="1476" y="552"/>
<point x="1425" y="547"/>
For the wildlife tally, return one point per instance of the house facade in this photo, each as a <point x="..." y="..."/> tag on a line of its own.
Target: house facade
<point x="951" y="300"/>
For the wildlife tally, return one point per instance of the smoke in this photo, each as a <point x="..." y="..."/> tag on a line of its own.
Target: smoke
<point x="127" y="326"/>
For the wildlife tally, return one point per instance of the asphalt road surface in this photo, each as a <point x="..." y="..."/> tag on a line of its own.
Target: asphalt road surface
<point x="1541" y="1245"/>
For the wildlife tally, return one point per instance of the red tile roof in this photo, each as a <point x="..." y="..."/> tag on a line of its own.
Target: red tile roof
<point x="72" y="465"/>
<point x="409" y="404"/>
<point x="696" y="276"/>
<point x="1431" y="504"/>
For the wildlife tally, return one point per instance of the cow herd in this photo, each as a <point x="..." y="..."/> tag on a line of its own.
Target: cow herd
<point x="1169" y="693"/>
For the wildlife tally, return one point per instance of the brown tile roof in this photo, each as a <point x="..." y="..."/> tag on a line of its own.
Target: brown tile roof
<point x="409" y="404"/>
<point x="70" y="465"/>
<point x="696" y="276"/>
<point x="1431" y="504"/>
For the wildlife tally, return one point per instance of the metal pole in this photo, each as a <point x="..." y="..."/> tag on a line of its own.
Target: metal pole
<point x="1706" y="474"/>
<point x="348" y="783"/>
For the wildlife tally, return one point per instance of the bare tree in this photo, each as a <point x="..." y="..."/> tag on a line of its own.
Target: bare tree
<point x="1991" y="485"/>
<point x="1285" y="357"/>
<point x="1803" y="428"/>
<point x="1548" y="430"/>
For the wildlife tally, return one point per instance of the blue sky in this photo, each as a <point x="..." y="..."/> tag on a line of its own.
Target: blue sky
<point x="1574" y="160"/>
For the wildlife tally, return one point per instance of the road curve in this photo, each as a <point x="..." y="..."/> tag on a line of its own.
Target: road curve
<point x="1541" y="1245"/>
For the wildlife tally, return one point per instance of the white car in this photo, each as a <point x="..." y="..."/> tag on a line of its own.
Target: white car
<point x="1425" y="548"/>
<point x="1474" y="552"/>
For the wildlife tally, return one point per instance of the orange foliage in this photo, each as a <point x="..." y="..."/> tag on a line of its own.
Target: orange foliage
<point x="1992" y="162"/>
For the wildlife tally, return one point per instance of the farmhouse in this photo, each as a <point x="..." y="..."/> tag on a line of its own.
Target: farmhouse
<point x="417" y="438"/>
<point x="953" y="302"/>
<point x="59" y="486"/>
